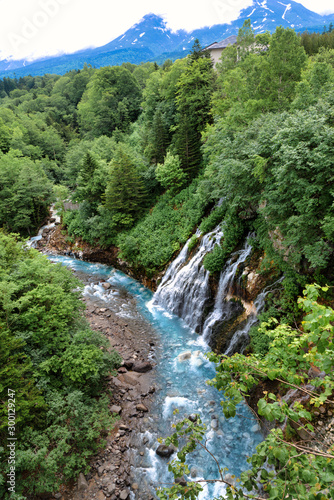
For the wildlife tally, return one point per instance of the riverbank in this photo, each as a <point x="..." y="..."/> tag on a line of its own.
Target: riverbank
<point x="130" y="394"/>
<point x="55" y="241"/>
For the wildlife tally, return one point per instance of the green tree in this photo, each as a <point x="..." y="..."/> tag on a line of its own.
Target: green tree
<point x="110" y="101"/>
<point x="193" y="102"/>
<point x="91" y="181"/>
<point x="169" y="174"/>
<point x="25" y="193"/>
<point x="125" y="195"/>
<point x="5" y="137"/>
<point x="285" y="62"/>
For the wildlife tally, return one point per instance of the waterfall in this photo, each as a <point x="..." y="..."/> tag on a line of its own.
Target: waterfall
<point x="222" y="308"/>
<point x="184" y="289"/>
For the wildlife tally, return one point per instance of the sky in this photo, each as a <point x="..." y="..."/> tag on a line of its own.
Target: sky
<point x="30" y="29"/>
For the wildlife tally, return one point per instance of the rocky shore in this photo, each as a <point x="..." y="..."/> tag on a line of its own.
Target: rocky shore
<point x="131" y="395"/>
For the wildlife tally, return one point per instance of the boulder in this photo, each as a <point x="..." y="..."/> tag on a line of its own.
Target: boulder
<point x="181" y="481"/>
<point x="106" y="286"/>
<point x="214" y="424"/>
<point x="130" y="378"/>
<point x="82" y="483"/>
<point x="141" y="407"/>
<point x="183" y="356"/>
<point x="164" y="451"/>
<point x="124" y="495"/>
<point x="142" y="367"/>
<point x="128" y="364"/>
<point x="116" y="409"/>
<point x="111" y="488"/>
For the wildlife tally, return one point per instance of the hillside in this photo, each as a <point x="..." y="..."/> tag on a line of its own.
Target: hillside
<point x="151" y="40"/>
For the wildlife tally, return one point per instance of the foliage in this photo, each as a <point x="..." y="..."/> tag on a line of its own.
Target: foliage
<point x="233" y="229"/>
<point x="284" y="468"/>
<point x="194" y="90"/>
<point x="110" y="101"/>
<point x="56" y="366"/>
<point x="156" y="238"/>
<point x="125" y="192"/>
<point x="169" y="174"/>
<point x="25" y="193"/>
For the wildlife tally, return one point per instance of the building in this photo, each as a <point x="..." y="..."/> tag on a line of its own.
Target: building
<point x="216" y="49"/>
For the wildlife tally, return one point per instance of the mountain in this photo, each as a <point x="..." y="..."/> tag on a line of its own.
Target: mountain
<point x="151" y="40"/>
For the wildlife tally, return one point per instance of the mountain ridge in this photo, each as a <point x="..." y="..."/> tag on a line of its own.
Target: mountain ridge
<point x="152" y="40"/>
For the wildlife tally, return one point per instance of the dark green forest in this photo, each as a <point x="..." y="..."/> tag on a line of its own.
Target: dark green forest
<point x="147" y="152"/>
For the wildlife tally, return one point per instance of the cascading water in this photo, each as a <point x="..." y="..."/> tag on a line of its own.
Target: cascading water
<point x="184" y="289"/>
<point x="222" y="309"/>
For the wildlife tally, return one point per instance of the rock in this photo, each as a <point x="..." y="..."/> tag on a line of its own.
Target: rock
<point x="106" y="286"/>
<point x="143" y="367"/>
<point x="164" y="451"/>
<point x="123" y="427"/>
<point x="102" y="310"/>
<point x="82" y="483"/>
<point x="100" y="470"/>
<point x="181" y="481"/>
<point x="183" y="356"/>
<point x="57" y="496"/>
<point x="141" y="407"/>
<point x="124" y="495"/>
<point x="193" y="417"/>
<point x="116" y="409"/>
<point x="130" y="378"/>
<point x="255" y="428"/>
<point x="128" y="364"/>
<point x="122" y="370"/>
<point x="134" y="486"/>
<point x="214" y="424"/>
<point x="314" y="372"/>
<point x="193" y="472"/>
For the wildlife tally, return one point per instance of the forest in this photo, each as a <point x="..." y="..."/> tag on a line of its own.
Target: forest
<point x="149" y="153"/>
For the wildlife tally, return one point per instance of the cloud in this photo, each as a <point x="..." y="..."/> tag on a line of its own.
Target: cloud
<point x="36" y="28"/>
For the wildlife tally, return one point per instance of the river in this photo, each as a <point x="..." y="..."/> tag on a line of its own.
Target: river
<point x="180" y="382"/>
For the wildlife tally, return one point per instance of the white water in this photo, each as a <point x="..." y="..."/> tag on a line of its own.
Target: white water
<point x="222" y="309"/>
<point x="184" y="289"/>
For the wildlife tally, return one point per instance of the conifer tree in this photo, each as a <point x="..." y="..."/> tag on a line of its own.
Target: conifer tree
<point x="125" y="195"/>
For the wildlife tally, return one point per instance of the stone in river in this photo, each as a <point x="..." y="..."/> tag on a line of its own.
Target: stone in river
<point x="214" y="424"/>
<point x="164" y="451"/>
<point x="183" y="356"/>
<point x="181" y="481"/>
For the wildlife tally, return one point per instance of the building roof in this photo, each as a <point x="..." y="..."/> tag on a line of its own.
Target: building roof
<point x="231" y="40"/>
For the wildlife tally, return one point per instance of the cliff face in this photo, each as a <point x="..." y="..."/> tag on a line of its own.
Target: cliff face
<point x="56" y="241"/>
